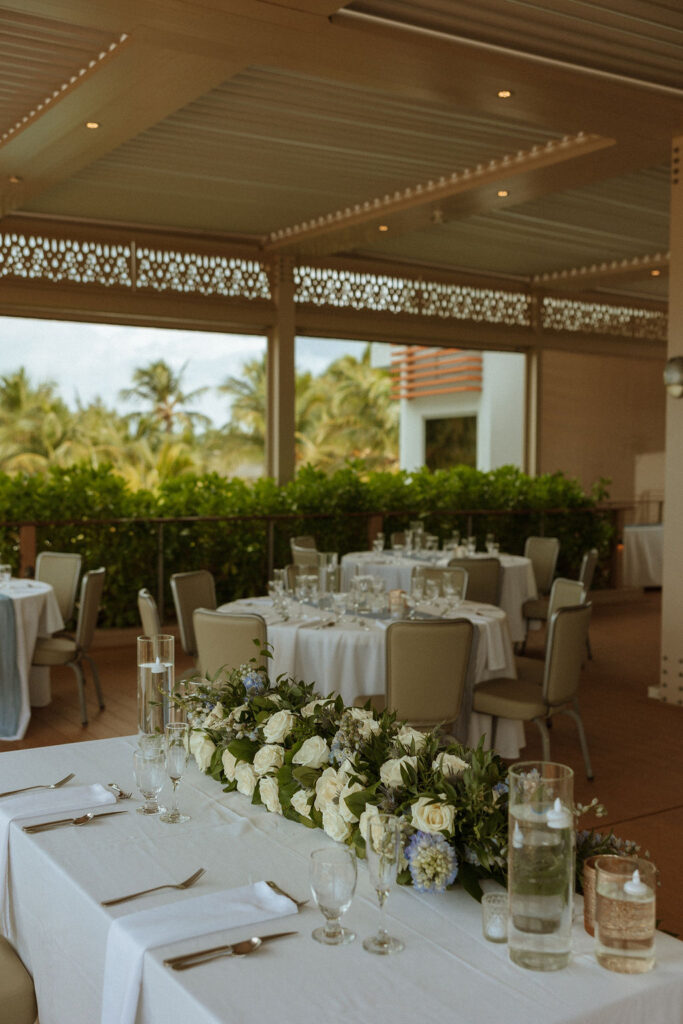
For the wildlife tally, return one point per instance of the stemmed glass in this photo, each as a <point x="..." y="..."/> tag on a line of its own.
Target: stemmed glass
<point x="177" y="754"/>
<point x="382" y="849"/>
<point x="150" y="775"/>
<point x="333" y="883"/>
<point x="451" y="590"/>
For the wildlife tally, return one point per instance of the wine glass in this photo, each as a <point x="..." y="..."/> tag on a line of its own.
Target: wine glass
<point x="450" y="582"/>
<point x="382" y="850"/>
<point x="150" y="775"/>
<point x="333" y="883"/>
<point x="177" y="754"/>
<point x="431" y="591"/>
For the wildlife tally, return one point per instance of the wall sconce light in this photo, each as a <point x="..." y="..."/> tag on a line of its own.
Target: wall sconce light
<point x="673" y="376"/>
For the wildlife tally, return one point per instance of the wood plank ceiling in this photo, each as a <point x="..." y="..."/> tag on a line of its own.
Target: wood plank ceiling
<point x="373" y="128"/>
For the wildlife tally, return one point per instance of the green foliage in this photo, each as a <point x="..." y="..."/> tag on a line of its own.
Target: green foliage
<point x="334" y="508"/>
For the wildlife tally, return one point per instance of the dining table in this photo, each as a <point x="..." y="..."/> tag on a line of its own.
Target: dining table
<point x="518" y="582"/>
<point x="55" y="881"/>
<point x="345" y="654"/>
<point x="34" y="612"/>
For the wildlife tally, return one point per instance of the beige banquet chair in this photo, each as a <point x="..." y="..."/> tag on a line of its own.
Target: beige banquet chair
<point x="227" y="639"/>
<point x="191" y="590"/>
<point x="17" y="995"/>
<point x="543" y="553"/>
<point x="589" y="564"/>
<point x="483" y="578"/>
<point x="149" y="613"/>
<point x="62" y="571"/>
<point x="304" y="550"/>
<point x="547" y="688"/>
<point x="64" y="650"/>
<point x="426" y="669"/>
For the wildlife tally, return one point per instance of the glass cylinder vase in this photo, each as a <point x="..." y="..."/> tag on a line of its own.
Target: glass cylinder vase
<point x="156" y="678"/>
<point x="540" y="864"/>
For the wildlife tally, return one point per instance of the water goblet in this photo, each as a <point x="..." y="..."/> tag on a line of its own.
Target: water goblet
<point x="382" y="850"/>
<point x="333" y="876"/>
<point x="177" y="754"/>
<point x="490" y="541"/>
<point x="451" y="589"/>
<point x="150" y="775"/>
<point x="431" y="590"/>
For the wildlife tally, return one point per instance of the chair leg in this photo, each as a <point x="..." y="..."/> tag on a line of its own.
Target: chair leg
<point x="95" y="679"/>
<point x="545" y="738"/>
<point x="80" y="679"/>
<point x="588" y="647"/>
<point x="574" y="713"/>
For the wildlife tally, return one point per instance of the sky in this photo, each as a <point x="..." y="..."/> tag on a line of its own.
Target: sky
<point x="90" y="360"/>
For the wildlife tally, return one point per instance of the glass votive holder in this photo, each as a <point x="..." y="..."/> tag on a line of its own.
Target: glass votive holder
<point x="494" y="916"/>
<point x="625" y="914"/>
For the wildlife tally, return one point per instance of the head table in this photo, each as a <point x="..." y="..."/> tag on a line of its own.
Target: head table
<point x="447" y="972"/>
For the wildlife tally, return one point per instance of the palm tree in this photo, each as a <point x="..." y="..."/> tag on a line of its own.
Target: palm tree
<point x="159" y="386"/>
<point x="34" y="423"/>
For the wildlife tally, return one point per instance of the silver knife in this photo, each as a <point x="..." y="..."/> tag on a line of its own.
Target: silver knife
<point x="179" y="963"/>
<point x="45" y="825"/>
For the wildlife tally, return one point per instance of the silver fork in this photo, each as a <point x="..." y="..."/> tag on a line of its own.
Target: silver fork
<point x="120" y="793"/>
<point x="54" y="785"/>
<point x="143" y="892"/>
<point x="281" y="892"/>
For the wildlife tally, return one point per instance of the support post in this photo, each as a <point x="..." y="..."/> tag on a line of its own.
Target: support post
<point x="280" y="413"/>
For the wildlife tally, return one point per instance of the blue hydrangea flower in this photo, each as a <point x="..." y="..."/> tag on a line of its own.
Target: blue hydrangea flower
<point x="432" y="862"/>
<point x="254" y="683"/>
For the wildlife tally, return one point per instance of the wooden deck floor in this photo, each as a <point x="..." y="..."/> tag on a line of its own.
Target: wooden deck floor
<point x="636" y="743"/>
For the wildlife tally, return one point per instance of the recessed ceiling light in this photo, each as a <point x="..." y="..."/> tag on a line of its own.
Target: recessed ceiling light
<point x="92" y="124"/>
<point x="383" y="227"/>
<point x="504" y="94"/>
<point x="502" y="193"/>
<point x="15" y="179"/>
<point x="655" y="273"/>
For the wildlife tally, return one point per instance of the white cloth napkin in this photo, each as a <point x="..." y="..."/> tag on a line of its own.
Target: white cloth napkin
<point x="48" y="803"/>
<point x="131" y="936"/>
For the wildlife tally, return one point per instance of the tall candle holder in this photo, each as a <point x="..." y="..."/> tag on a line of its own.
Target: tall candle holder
<point x="156" y="683"/>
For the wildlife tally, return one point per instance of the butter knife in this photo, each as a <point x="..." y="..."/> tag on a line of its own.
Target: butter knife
<point x="181" y="963"/>
<point x="45" y="825"/>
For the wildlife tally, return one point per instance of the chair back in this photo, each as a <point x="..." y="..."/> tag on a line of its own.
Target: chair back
<point x="543" y="552"/>
<point x="567" y="635"/>
<point x="61" y="570"/>
<point x="304" y="551"/>
<point x="565" y="593"/>
<point x="92" y="586"/>
<point x="227" y="638"/>
<point x="426" y="668"/>
<point x="589" y="564"/>
<point x="458" y="574"/>
<point x="149" y="613"/>
<point x="397" y="537"/>
<point x="191" y="590"/>
<point x="483" y="578"/>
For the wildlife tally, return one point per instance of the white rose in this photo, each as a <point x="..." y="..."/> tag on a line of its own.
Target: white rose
<point x="449" y="764"/>
<point x="390" y="772"/>
<point x="215" y="715"/>
<point x="301" y="802"/>
<point x="268" y="759"/>
<point x="334" y="824"/>
<point x="237" y="713"/>
<point x="344" y="810"/>
<point x="328" y="787"/>
<point x="275" y="698"/>
<point x="229" y="765"/>
<point x="348" y="768"/>
<point x="308" y="709"/>
<point x="270" y="795"/>
<point x="368" y="725"/>
<point x="202" y="748"/>
<point x="428" y="816"/>
<point x="278" y="726"/>
<point x="360" y="714"/>
<point x="408" y="736"/>
<point x="371" y="811"/>
<point x="246" y="778"/>
<point x="313" y="753"/>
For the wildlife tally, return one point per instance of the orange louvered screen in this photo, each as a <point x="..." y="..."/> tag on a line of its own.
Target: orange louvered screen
<point x="419" y="372"/>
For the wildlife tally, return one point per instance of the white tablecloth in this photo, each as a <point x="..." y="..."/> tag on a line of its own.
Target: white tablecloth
<point x="643" y="549"/>
<point x="36" y="613"/>
<point x="517" y="578"/>
<point x="447" y="972"/>
<point x="351" y="661"/>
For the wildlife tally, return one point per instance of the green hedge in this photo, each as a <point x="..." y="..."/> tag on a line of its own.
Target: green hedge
<point x="506" y="502"/>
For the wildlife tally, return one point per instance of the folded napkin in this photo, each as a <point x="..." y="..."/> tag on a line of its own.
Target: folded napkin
<point x="47" y="803"/>
<point x="132" y="935"/>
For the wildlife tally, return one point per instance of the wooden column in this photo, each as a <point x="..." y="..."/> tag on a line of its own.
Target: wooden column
<point x="671" y="676"/>
<point x="280" y="418"/>
<point x="532" y="411"/>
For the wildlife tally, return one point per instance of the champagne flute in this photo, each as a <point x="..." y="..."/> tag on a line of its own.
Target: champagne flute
<point x="333" y="883"/>
<point x="177" y="754"/>
<point x="150" y="776"/>
<point x="382" y="849"/>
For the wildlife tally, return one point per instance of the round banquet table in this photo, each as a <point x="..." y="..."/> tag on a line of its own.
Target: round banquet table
<point x="36" y="613"/>
<point x="347" y="659"/>
<point x="517" y="578"/>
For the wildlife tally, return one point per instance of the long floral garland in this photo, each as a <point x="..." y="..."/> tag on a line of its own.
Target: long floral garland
<point x="325" y="765"/>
